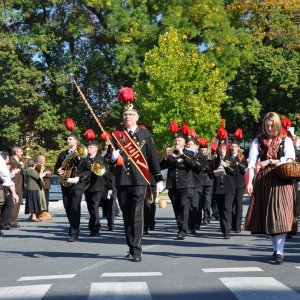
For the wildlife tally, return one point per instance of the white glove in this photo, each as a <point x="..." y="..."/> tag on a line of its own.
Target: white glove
<point x="160" y="186"/>
<point x="115" y="155"/>
<point x="73" y="180"/>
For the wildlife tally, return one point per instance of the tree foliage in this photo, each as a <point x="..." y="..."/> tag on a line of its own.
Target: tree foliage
<point x="179" y="83"/>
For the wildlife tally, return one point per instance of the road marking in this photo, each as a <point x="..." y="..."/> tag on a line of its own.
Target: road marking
<point x="131" y="274"/>
<point x="119" y="291"/>
<point x="46" y="277"/>
<point x="28" y="292"/>
<point x="259" y="288"/>
<point x="297" y="268"/>
<point x="229" y="270"/>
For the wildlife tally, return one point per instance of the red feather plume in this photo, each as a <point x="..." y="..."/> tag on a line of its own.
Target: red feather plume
<point x="202" y="142"/>
<point x="286" y="122"/>
<point x="173" y="127"/>
<point x="105" y="136"/>
<point x="126" y="95"/>
<point x="213" y="146"/>
<point x="185" y="130"/>
<point x="70" y="124"/>
<point x="222" y="134"/>
<point x="284" y="132"/>
<point x="238" y="135"/>
<point x="193" y="133"/>
<point x="90" y="134"/>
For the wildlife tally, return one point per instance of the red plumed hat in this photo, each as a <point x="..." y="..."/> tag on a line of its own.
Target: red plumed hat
<point x="213" y="146"/>
<point x="143" y="126"/>
<point x="70" y="124"/>
<point x="90" y="134"/>
<point x="238" y="135"/>
<point x="174" y="129"/>
<point x="185" y="130"/>
<point x="222" y="134"/>
<point x="286" y="123"/>
<point x="126" y="95"/>
<point x="202" y="142"/>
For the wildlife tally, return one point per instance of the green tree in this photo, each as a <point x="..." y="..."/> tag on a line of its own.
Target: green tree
<point x="179" y="83"/>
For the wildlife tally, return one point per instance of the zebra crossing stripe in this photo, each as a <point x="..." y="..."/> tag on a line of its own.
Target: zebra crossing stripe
<point x="46" y="277"/>
<point x="25" y="292"/>
<point x="131" y="274"/>
<point x="297" y="268"/>
<point x="259" y="288"/>
<point x="119" y="291"/>
<point x="231" y="270"/>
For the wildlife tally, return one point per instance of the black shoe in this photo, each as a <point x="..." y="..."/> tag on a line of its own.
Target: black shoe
<point x="15" y="226"/>
<point x="238" y="231"/>
<point x="274" y="255"/>
<point x="198" y="227"/>
<point x="152" y="227"/>
<point x="226" y="237"/>
<point x="94" y="233"/>
<point x="193" y="232"/>
<point x="136" y="258"/>
<point x="205" y="222"/>
<point x="110" y="228"/>
<point x="146" y="231"/>
<point x="279" y="259"/>
<point x="289" y="236"/>
<point x="5" y="228"/>
<point x="181" y="236"/>
<point x="72" y="239"/>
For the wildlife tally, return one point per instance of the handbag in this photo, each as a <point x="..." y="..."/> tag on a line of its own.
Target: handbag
<point x="288" y="170"/>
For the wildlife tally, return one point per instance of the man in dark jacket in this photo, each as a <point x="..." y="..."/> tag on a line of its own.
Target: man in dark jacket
<point x="94" y="192"/>
<point x="135" y="157"/>
<point x="75" y="183"/>
<point x="180" y="182"/>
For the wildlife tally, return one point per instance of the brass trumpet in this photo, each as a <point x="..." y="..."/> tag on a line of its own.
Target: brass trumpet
<point x="175" y="151"/>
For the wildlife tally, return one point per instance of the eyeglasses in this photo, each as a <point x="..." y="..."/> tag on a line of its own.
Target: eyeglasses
<point x="129" y="114"/>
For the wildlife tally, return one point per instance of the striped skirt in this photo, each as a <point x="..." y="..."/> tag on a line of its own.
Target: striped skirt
<point x="272" y="208"/>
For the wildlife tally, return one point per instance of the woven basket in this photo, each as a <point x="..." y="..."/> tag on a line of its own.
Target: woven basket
<point x="288" y="170"/>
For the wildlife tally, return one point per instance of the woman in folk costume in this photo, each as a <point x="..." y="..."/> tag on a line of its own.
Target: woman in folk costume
<point x="272" y="206"/>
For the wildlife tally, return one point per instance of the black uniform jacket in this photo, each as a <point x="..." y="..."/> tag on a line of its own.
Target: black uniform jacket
<point x="224" y="184"/>
<point x="239" y="178"/>
<point x="128" y="174"/>
<point x="180" y="174"/>
<point x="82" y="169"/>
<point x="200" y="161"/>
<point x="97" y="183"/>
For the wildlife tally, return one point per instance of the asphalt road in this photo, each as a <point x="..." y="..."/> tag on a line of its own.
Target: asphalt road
<point x="38" y="263"/>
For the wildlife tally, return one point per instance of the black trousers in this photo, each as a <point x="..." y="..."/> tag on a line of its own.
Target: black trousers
<point x="72" y="204"/>
<point x="149" y="210"/>
<point x="110" y="208"/>
<point x="237" y="209"/>
<point x="47" y="198"/>
<point x="6" y="208"/>
<point x="181" y="199"/>
<point x="206" y="200"/>
<point x="131" y="200"/>
<point x="196" y="206"/>
<point x="92" y="200"/>
<point x="225" y="209"/>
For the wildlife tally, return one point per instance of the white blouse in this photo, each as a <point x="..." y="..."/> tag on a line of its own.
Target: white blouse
<point x="289" y="152"/>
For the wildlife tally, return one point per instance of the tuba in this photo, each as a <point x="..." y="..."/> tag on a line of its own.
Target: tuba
<point x="67" y="166"/>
